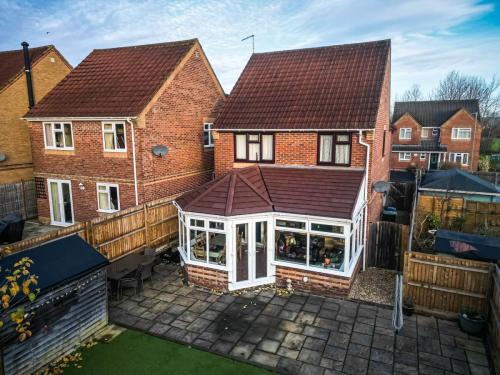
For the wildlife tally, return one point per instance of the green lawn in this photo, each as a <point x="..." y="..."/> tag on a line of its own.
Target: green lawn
<point x="137" y="353"/>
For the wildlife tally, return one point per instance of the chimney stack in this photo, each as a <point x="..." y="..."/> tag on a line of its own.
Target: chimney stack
<point x="27" y="69"/>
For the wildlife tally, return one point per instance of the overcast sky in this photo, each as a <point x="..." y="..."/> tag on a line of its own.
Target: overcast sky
<point x="429" y="37"/>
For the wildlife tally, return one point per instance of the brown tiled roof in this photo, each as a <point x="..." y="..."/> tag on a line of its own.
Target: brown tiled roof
<point x="12" y="63"/>
<point x="336" y="87"/>
<point x="113" y="82"/>
<point x="256" y="189"/>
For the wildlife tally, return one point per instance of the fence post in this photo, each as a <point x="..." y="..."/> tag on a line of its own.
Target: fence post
<point x="24" y="200"/>
<point x="146" y="224"/>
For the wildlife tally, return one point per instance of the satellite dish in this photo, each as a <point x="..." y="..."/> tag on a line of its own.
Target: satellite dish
<point x="2" y="157"/>
<point x="382" y="186"/>
<point x="160" y="150"/>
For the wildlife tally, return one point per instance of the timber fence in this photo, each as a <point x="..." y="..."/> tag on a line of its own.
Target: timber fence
<point x="18" y="198"/>
<point x="153" y="224"/>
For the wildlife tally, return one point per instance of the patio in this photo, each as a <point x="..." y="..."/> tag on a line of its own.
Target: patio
<point x="299" y="333"/>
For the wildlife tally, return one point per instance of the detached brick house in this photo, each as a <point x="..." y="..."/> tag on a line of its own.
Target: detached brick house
<point x="426" y="134"/>
<point x="298" y="145"/>
<point x="127" y="126"/>
<point x="46" y="68"/>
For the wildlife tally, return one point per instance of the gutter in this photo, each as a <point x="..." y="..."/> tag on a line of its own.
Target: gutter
<point x="367" y="164"/>
<point x="460" y="192"/>
<point x="134" y="160"/>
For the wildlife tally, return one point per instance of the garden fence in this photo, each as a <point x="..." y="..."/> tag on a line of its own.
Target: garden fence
<point x="18" y="198"/>
<point x="153" y="224"/>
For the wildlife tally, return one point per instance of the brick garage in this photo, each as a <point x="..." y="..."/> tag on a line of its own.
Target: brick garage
<point x="174" y="117"/>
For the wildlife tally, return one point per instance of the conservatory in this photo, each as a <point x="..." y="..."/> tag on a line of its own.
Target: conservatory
<point x="251" y="228"/>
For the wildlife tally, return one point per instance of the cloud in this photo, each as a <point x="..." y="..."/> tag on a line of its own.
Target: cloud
<point x="427" y="37"/>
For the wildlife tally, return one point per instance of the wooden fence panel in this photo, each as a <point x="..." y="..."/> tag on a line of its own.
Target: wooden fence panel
<point x="387" y="242"/>
<point x="494" y="319"/>
<point x="446" y="284"/>
<point x="153" y="224"/>
<point x="18" y="198"/>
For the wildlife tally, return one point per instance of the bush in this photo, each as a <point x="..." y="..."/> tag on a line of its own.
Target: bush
<point x="484" y="163"/>
<point x="457" y="223"/>
<point x="434" y="222"/>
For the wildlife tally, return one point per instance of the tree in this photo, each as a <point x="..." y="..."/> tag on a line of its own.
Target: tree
<point x="458" y="86"/>
<point x="18" y="283"/>
<point x="412" y="94"/>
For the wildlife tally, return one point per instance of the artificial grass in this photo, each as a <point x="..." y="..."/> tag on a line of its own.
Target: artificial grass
<point x="137" y="353"/>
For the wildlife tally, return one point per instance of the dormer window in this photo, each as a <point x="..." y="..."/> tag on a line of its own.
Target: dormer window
<point x="405" y="133"/>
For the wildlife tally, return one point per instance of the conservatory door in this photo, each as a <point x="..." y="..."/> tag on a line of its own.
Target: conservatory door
<point x="61" y="203"/>
<point x="252" y="262"/>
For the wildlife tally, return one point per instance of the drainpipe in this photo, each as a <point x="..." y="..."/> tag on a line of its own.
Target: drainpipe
<point x="367" y="164"/>
<point x="134" y="161"/>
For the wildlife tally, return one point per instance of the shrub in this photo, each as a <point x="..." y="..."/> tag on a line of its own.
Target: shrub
<point x="484" y="163"/>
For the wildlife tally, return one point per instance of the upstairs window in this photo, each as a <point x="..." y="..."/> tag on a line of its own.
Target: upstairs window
<point x="58" y="135"/>
<point x="114" y="136"/>
<point x="208" y="141"/>
<point x="405" y="133"/>
<point x="461" y="133"/>
<point x="108" y="198"/>
<point x="254" y="147"/>
<point x="334" y="149"/>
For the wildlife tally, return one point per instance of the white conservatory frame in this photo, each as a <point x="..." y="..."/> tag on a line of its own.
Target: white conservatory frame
<point x="354" y="234"/>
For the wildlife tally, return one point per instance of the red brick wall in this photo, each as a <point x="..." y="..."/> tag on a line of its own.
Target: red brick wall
<point x="462" y="120"/>
<point x="207" y="277"/>
<point x="406" y="122"/>
<point x="175" y="120"/>
<point x="291" y="148"/>
<point x="380" y="155"/>
<point x="317" y="283"/>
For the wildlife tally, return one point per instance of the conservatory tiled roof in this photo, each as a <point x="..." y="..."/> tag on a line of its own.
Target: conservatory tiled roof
<point x="294" y="190"/>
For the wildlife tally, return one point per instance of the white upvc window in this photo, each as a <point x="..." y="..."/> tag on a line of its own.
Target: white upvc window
<point x="207" y="242"/>
<point x="58" y="135"/>
<point x="459" y="158"/>
<point x="422" y="156"/>
<point x="404" y="156"/>
<point x="114" y="137"/>
<point x="108" y="197"/>
<point x="405" y="133"/>
<point x="461" y="133"/>
<point x="208" y="140"/>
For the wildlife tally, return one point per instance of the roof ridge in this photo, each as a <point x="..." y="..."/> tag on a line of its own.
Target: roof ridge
<point x="250" y="185"/>
<point x="161" y="44"/>
<point x="230" y="194"/>
<point x="333" y="46"/>
<point x="437" y="101"/>
<point x="48" y="46"/>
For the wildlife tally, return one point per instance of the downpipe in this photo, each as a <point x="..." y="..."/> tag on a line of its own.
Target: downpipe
<point x="367" y="168"/>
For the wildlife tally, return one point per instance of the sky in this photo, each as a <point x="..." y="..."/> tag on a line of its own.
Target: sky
<point x="429" y="37"/>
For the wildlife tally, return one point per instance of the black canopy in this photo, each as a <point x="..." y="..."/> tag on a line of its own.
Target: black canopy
<point x="58" y="262"/>
<point x="465" y="245"/>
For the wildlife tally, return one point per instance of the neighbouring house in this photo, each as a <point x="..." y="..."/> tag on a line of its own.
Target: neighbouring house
<point x="71" y="306"/>
<point x="26" y="76"/>
<point x="127" y="126"/>
<point x="298" y="145"/>
<point x="461" y="200"/>
<point x="427" y="134"/>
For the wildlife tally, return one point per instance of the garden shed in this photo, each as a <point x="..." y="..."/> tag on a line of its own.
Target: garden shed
<point x="71" y="305"/>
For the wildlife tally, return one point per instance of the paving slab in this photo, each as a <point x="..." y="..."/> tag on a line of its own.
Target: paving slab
<point x="299" y="333"/>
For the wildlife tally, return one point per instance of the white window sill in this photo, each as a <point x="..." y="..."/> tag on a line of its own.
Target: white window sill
<point x="107" y="211"/>
<point x="208" y="146"/>
<point x="60" y="148"/>
<point x="120" y="150"/>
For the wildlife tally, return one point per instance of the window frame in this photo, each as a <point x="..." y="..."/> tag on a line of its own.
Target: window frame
<point x="108" y="186"/>
<point x="247" y="142"/>
<point x="210" y="137"/>
<point x="207" y="230"/>
<point x="53" y="135"/>
<point x="453" y="156"/>
<point x="113" y="123"/>
<point x="334" y="144"/>
<point x="404" y="153"/>
<point x="404" y="130"/>
<point x="456" y="137"/>
<point x="424" y="156"/>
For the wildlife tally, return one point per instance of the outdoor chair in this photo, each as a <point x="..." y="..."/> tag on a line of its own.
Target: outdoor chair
<point x="132" y="282"/>
<point x="145" y="272"/>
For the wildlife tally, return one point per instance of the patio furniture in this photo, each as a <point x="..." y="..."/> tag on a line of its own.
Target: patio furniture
<point x="145" y="271"/>
<point x="123" y="268"/>
<point x="11" y="228"/>
<point x="199" y="248"/>
<point x="133" y="282"/>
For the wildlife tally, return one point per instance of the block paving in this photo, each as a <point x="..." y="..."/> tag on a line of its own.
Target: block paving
<point x="298" y="334"/>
